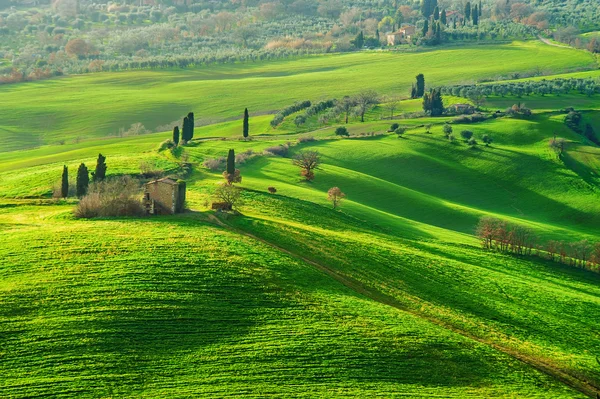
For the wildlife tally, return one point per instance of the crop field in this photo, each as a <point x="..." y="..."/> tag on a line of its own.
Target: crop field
<point x="97" y="105"/>
<point x="389" y="296"/>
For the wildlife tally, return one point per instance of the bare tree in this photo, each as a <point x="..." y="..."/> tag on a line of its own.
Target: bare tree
<point x="346" y="106"/>
<point x="392" y="105"/>
<point x="308" y="161"/>
<point x="335" y="195"/>
<point x="364" y="101"/>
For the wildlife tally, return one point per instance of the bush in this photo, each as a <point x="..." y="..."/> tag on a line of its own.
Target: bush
<point x="241" y="158"/>
<point x="342" y="131"/>
<point x="166" y="145"/>
<point x="305" y="139"/>
<point x="278" y="150"/>
<point x="214" y="164"/>
<point x="112" y="197"/>
<point x="400" y="131"/>
<point x="393" y="127"/>
<point x="466" y="135"/>
<point x="272" y="190"/>
<point x="472" y="142"/>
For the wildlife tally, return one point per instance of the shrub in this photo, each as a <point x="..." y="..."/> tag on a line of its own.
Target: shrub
<point x="393" y="127"/>
<point x="447" y="130"/>
<point x="466" y="135"/>
<point x="472" y="142"/>
<point x="166" y="145"/>
<point x="277" y="119"/>
<point x="244" y="156"/>
<point x="111" y="197"/>
<point x="280" y="150"/>
<point x="272" y="190"/>
<point x="214" y="164"/>
<point x="487" y="140"/>
<point x="305" y="139"/>
<point x="400" y="131"/>
<point x="300" y="120"/>
<point x="342" y="131"/>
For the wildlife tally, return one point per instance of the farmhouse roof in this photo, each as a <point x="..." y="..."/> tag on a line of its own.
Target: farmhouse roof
<point x="165" y="180"/>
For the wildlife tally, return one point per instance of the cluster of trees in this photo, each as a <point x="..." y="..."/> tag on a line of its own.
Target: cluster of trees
<point x="587" y="86"/>
<point x="83" y="177"/>
<point x="574" y="120"/>
<point x="292" y="109"/>
<point x="433" y="104"/>
<point x="499" y="235"/>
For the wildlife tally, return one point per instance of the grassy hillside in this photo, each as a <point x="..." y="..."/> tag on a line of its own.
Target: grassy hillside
<point x="98" y="105"/>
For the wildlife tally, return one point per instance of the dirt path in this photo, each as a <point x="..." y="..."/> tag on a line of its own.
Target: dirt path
<point x="572" y="381"/>
<point x="549" y="43"/>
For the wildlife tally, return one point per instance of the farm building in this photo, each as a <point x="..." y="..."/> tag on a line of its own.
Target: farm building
<point x="402" y="35"/>
<point x="164" y="196"/>
<point x="461" y="109"/>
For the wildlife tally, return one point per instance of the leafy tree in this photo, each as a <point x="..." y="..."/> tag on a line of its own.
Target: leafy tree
<point x="83" y="180"/>
<point x="359" y="41"/>
<point x="176" y="135"/>
<point x="185" y="134"/>
<point x="308" y="161"/>
<point x="394" y="126"/>
<point x="100" y="172"/>
<point x="364" y="101"/>
<point x="335" y="195"/>
<point x="230" y="195"/>
<point x="472" y="142"/>
<point x="246" y="123"/>
<point x="64" y="186"/>
<point x="342" y="131"/>
<point x="487" y="140"/>
<point x="300" y="120"/>
<point x="347" y="105"/>
<point x="420" y="86"/>
<point x="447" y="130"/>
<point x="466" y="135"/>
<point x="400" y="131"/>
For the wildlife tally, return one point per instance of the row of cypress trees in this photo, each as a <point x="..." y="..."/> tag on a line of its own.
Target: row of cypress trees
<point x="187" y="132"/>
<point x="83" y="177"/>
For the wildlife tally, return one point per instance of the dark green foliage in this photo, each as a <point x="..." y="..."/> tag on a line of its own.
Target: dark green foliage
<point x="393" y="127"/>
<point x="467" y="11"/>
<point x="427" y="7"/>
<point x="420" y="86"/>
<point x="425" y="27"/>
<point x="246" y="123"/>
<point x="433" y="103"/>
<point x="590" y="134"/>
<point x="443" y="18"/>
<point x="447" y="130"/>
<point x="83" y="180"/>
<point x="64" y="184"/>
<point x="472" y="142"/>
<point x="176" y="135"/>
<point x="413" y="92"/>
<point x="231" y="162"/>
<point x="475" y="15"/>
<point x="185" y="133"/>
<point x="100" y="171"/>
<point x="436" y="13"/>
<point x="359" y="41"/>
<point x="191" y="124"/>
<point x="487" y="140"/>
<point x="466" y="135"/>
<point x="342" y="131"/>
<point x="400" y="131"/>
<point x="300" y="120"/>
<point x="299" y="106"/>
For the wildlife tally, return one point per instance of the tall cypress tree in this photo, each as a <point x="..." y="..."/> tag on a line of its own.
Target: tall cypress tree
<point x="64" y="184"/>
<point x="185" y="134"/>
<point x="246" y="123"/>
<point x="426" y="8"/>
<point x="100" y="172"/>
<point x="420" y="85"/>
<point x="480" y="8"/>
<point x="231" y="162"/>
<point x="475" y="15"/>
<point x="425" y="27"/>
<point x="176" y="135"/>
<point x="468" y="11"/>
<point x="436" y="13"/>
<point x="191" y="125"/>
<point x="443" y="17"/>
<point x="83" y="180"/>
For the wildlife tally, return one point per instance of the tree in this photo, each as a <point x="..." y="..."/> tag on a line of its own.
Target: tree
<point x="400" y="131"/>
<point x="487" y="140"/>
<point x="308" y="161"/>
<point x="472" y="142"/>
<point x="466" y="135"/>
<point x="191" y="124"/>
<point x="433" y="103"/>
<point x="185" y="134"/>
<point x="468" y="11"/>
<point x="100" y="171"/>
<point x="420" y="87"/>
<point x="427" y="8"/>
<point x="300" y="120"/>
<point x="359" y="41"/>
<point x="346" y="105"/>
<point x="335" y="195"/>
<point x="176" y="135"/>
<point x="77" y="47"/>
<point x="364" y="101"/>
<point x="479" y="8"/>
<point x="228" y="194"/>
<point x="342" y="131"/>
<point x="475" y="15"/>
<point x="64" y="186"/>
<point x="246" y="123"/>
<point x="83" y="180"/>
<point x="231" y="174"/>
<point x="443" y="17"/>
<point x="425" y="27"/>
<point x="392" y="106"/>
<point x="436" y="13"/>
<point x="447" y="130"/>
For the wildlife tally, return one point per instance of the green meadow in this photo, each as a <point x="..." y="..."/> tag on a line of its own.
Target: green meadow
<point x="389" y="296"/>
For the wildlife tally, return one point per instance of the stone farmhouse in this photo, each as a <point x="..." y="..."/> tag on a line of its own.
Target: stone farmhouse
<point x="402" y="35"/>
<point x="164" y="196"/>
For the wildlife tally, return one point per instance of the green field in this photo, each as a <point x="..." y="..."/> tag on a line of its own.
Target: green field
<point x="97" y="105"/>
<point x="391" y="296"/>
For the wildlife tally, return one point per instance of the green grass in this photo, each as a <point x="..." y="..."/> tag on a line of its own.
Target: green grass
<point x="98" y="105"/>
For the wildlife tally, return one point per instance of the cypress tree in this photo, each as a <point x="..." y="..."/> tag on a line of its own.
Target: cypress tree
<point x="475" y="15"/>
<point x="191" y="124"/>
<point x="426" y="8"/>
<point x="246" y="123"/>
<point x="83" y="180"/>
<point x="413" y="92"/>
<point x="64" y="186"/>
<point x="231" y="163"/>
<point x="100" y="172"/>
<point x="443" y="17"/>
<point x="176" y="135"/>
<point x="479" y="8"/>
<point x="436" y="13"/>
<point x="420" y="85"/>
<point x="468" y="11"/>
<point x="425" y="27"/>
<point x="185" y="134"/>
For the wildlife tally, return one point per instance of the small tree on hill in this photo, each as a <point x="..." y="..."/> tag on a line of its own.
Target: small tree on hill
<point x="185" y="130"/>
<point x="308" y="161"/>
<point x="230" y="195"/>
<point x="176" y="135"/>
<point x="342" y="131"/>
<point x="364" y="101"/>
<point x="191" y="124"/>
<point x="472" y="142"/>
<point x="231" y="174"/>
<point x="487" y="140"/>
<point x="447" y="130"/>
<point x="83" y="180"/>
<point x="246" y="123"/>
<point x="466" y="135"/>
<point x="64" y="184"/>
<point x="100" y="171"/>
<point x="335" y="195"/>
<point x="346" y="106"/>
<point x="420" y="86"/>
<point x="400" y="131"/>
